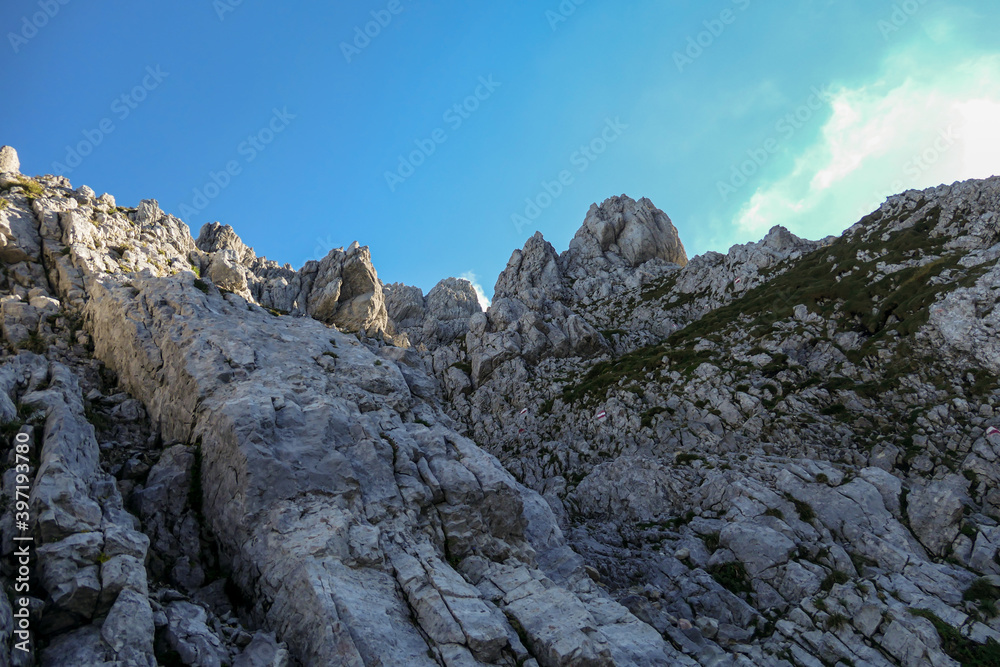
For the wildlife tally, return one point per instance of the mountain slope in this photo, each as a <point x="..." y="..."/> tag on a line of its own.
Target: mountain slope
<point x="785" y="455"/>
<point x="292" y="479"/>
<point x="807" y="422"/>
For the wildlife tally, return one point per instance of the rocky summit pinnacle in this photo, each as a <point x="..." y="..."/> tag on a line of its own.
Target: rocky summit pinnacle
<point x="625" y="231"/>
<point x="787" y="454"/>
<point x="9" y="162"/>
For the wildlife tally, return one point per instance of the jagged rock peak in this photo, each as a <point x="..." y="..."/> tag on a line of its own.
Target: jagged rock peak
<point x="453" y="298"/>
<point x="532" y="268"/>
<point x="440" y="316"/>
<point x="405" y="304"/>
<point x="624" y="231"/>
<point x="9" y="163"/>
<point x="215" y="237"/>
<point x="347" y="292"/>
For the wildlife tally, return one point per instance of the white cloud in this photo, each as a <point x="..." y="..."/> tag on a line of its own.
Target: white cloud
<point x="924" y="124"/>
<point x="484" y="303"/>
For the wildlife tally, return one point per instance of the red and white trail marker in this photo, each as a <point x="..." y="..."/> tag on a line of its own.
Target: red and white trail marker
<point x="520" y="431"/>
<point x="992" y="431"/>
<point x="523" y="411"/>
<point x="737" y="281"/>
<point x="601" y="416"/>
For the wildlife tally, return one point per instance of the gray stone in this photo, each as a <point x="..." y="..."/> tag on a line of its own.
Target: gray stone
<point x="935" y="511"/>
<point x="263" y="651"/>
<point x="9" y="163"/>
<point x="349" y="483"/>
<point x="148" y="212"/>
<point x="80" y="647"/>
<point x="128" y="630"/>
<point x="188" y="634"/>
<point x="628" y="231"/>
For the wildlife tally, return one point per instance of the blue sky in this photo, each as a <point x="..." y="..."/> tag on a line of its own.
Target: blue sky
<point x="290" y="124"/>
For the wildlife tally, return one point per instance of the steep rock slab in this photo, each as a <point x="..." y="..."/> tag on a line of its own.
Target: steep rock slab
<point x="314" y="477"/>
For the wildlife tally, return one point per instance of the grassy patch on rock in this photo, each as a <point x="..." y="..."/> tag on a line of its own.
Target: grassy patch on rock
<point x="960" y="648"/>
<point x="732" y="576"/>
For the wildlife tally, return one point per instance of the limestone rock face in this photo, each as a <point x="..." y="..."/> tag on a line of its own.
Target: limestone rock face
<point x="671" y="449"/>
<point x="439" y="318"/>
<point x="630" y="488"/>
<point x="323" y="528"/>
<point x="19" y="240"/>
<point x="343" y="289"/>
<point x="346" y="291"/>
<point x="9" y="162"/>
<point x="215" y="237"/>
<point x="90" y="553"/>
<point x="935" y="512"/>
<point x="147" y="213"/>
<point x="452" y="299"/>
<point x="532" y="274"/>
<point x="226" y="271"/>
<point x="162" y="504"/>
<point x="405" y="305"/>
<point x="340" y="468"/>
<point x="537" y="298"/>
<point x="528" y="317"/>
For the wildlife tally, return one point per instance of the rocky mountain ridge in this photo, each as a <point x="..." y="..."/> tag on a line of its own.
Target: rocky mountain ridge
<point x="778" y="456"/>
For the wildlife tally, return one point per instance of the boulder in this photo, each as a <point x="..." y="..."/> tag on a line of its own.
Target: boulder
<point x="9" y="163"/>
<point x="188" y="634"/>
<point x="935" y="511"/>
<point x="346" y="292"/>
